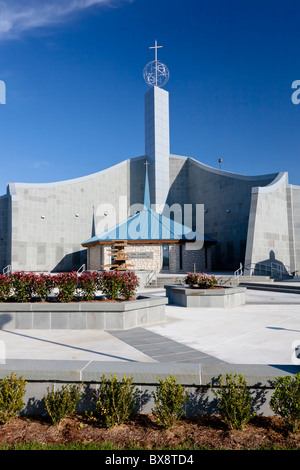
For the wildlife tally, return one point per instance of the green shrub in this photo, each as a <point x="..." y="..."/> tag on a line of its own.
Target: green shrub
<point x="117" y="401"/>
<point x="88" y="284"/>
<point x="169" y="399"/>
<point x="111" y="284"/>
<point x="285" y="400"/>
<point x="62" y="403"/>
<point x="5" y="288"/>
<point x="234" y="401"/>
<point x="130" y="283"/>
<point x="43" y="285"/>
<point x="12" y="390"/>
<point x="200" y="280"/>
<point x="22" y="286"/>
<point x="66" y="284"/>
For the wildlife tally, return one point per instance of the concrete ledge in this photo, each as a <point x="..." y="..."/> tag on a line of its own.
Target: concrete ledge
<point x="41" y="374"/>
<point x="205" y="298"/>
<point x="143" y="311"/>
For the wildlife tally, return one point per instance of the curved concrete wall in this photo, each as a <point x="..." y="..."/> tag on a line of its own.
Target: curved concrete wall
<point x="294" y="223"/>
<point x="50" y="221"/>
<point x="43" y="225"/>
<point x="268" y="246"/>
<point x="226" y="197"/>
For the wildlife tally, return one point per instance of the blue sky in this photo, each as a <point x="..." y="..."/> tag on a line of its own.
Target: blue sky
<point x="75" y="90"/>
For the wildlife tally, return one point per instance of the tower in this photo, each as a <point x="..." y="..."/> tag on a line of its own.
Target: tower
<point x="157" y="130"/>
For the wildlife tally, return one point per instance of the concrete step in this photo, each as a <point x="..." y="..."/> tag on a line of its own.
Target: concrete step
<point x="274" y="287"/>
<point x="255" y="279"/>
<point x="223" y="279"/>
<point x="166" y="280"/>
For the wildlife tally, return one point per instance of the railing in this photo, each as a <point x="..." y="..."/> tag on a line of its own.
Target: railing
<point x="81" y="269"/>
<point x="150" y="276"/>
<point x="272" y="269"/>
<point x="7" y="269"/>
<point x="238" y="272"/>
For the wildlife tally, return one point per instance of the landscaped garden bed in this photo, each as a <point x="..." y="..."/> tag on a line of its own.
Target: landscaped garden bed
<point x="82" y="432"/>
<point x="200" y="290"/>
<point x="97" y="300"/>
<point x="114" y="424"/>
<point x="68" y="287"/>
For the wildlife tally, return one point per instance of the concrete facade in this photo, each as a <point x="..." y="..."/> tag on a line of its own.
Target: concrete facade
<point x="254" y="219"/>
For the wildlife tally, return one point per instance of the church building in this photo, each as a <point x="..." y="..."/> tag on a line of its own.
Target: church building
<point x="234" y="219"/>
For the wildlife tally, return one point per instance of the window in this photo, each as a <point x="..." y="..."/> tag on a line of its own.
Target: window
<point x="180" y="257"/>
<point x="165" y="257"/>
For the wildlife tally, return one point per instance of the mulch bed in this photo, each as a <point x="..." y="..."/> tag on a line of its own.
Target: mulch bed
<point x="144" y="431"/>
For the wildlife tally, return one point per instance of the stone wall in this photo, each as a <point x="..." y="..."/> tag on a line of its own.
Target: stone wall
<point x="149" y="257"/>
<point x="41" y="375"/>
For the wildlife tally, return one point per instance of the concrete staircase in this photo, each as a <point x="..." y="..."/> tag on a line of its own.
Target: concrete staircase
<point x="223" y="279"/>
<point x="163" y="279"/>
<point x="266" y="283"/>
<point x="287" y="288"/>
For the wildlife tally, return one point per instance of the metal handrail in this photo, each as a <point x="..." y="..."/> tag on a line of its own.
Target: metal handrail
<point x="150" y="277"/>
<point x="268" y="269"/>
<point x="81" y="269"/>
<point x="238" y="272"/>
<point x="7" y="269"/>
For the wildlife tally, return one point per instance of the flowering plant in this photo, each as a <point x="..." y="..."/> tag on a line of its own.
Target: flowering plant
<point x="5" y="288"/>
<point x="43" y="285"/>
<point x="88" y="284"/>
<point x="111" y="284"/>
<point x="200" y="280"/>
<point x="66" y="284"/>
<point x="129" y="285"/>
<point x="22" y="285"/>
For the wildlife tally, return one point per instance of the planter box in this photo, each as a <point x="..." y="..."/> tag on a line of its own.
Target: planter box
<point x="143" y="311"/>
<point x="206" y="298"/>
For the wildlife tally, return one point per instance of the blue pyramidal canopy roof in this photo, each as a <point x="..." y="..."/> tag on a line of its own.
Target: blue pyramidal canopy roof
<point x="147" y="225"/>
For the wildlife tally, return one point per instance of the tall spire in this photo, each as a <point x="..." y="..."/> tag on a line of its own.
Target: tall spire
<point x="157" y="133"/>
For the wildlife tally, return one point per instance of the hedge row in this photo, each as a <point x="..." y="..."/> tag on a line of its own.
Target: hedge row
<point x="117" y="401"/>
<point x="65" y="287"/>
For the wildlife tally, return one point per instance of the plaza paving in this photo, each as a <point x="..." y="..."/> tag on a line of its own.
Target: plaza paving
<point x="261" y="332"/>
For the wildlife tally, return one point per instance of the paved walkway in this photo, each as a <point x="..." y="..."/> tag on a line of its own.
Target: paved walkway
<point x="163" y="349"/>
<point x="261" y="332"/>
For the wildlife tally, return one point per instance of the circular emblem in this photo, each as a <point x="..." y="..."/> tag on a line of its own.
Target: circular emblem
<point x="156" y="73"/>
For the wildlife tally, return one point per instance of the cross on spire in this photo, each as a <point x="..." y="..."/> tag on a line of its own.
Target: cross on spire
<point x="155" y="47"/>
